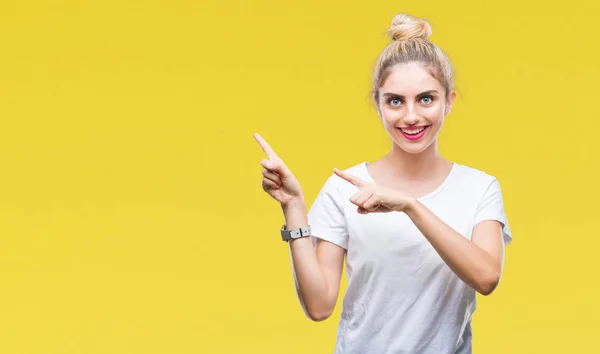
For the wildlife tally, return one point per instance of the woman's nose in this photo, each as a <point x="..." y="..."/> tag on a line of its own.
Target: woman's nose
<point x="411" y="117"/>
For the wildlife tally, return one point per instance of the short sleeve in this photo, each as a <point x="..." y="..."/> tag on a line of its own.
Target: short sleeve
<point x="492" y="208"/>
<point x="326" y="216"/>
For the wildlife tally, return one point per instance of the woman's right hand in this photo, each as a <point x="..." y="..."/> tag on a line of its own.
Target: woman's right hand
<point x="278" y="181"/>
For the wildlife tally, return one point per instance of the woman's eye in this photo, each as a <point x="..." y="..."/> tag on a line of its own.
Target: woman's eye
<point x="395" y="102"/>
<point x="427" y="100"/>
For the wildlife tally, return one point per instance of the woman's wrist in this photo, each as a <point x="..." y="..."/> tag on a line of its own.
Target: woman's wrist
<point x="409" y="206"/>
<point x="295" y="206"/>
<point x="294" y="203"/>
<point x="294" y="212"/>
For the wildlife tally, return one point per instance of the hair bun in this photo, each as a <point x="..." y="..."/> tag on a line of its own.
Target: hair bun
<point x="407" y="27"/>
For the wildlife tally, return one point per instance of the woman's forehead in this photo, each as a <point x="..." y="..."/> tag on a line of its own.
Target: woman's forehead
<point x="410" y="78"/>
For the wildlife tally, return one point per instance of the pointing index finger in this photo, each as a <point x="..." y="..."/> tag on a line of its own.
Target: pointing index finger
<point x="350" y="178"/>
<point x="265" y="146"/>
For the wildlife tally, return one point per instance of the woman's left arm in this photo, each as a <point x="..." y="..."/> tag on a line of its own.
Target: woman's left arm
<point x="477" y="262"/>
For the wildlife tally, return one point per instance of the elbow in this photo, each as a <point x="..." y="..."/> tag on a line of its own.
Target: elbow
<point x="488" y="284"/>
<point x="318" y="314"/>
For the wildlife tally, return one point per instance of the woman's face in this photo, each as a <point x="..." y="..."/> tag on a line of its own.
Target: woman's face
<point x="412" y="106"/>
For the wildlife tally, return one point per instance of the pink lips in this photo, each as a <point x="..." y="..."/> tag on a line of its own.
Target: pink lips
<point x="416" y="136"/>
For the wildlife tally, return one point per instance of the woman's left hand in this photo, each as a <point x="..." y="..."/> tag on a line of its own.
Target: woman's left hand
<point x="372" y="198"/>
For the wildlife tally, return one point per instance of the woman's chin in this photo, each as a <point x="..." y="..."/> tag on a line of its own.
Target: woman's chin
<point x="414" y="147"/>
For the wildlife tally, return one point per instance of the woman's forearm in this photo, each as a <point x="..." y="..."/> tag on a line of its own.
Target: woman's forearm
<point x="312" y="289"/>
<point x="472" y="264"/>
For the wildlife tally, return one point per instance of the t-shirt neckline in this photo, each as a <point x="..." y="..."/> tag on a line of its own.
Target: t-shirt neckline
<point x="426" y="196"/>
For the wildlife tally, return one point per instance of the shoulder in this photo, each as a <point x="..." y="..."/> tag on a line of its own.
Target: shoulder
<point x="470" y="174"/>
<point x="474" y="181"/>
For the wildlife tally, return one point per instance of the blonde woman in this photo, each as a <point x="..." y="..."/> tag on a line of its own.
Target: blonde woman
<point x="421" y="234"/>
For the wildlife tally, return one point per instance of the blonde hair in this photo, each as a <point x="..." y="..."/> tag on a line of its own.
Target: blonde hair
<point x="410" y="43"/>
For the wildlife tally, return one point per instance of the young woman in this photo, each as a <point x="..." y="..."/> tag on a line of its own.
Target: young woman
<point x="421" y="235"/>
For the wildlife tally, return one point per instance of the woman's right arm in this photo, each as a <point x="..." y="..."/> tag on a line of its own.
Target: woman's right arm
<point x="317" y="271"/>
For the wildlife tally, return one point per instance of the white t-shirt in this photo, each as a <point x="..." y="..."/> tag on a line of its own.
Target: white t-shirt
<point x="401" y="296"/>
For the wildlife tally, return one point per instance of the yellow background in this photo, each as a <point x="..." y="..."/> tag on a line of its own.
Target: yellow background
<point x="131" y="214"/>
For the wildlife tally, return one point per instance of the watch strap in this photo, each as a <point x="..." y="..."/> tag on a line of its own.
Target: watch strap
<point x="299" y="232"/>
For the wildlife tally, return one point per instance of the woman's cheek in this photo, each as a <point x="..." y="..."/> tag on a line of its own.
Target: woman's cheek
<point x="391" y="116"/>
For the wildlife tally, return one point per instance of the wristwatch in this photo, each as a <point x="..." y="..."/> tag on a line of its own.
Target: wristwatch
<point x="287" y="235"/>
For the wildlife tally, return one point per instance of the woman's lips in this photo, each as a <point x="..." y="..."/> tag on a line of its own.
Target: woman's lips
<point x="413" y="133"/>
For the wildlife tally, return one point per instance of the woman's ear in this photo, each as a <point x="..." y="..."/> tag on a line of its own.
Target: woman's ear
<point x="449" y="102"/>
